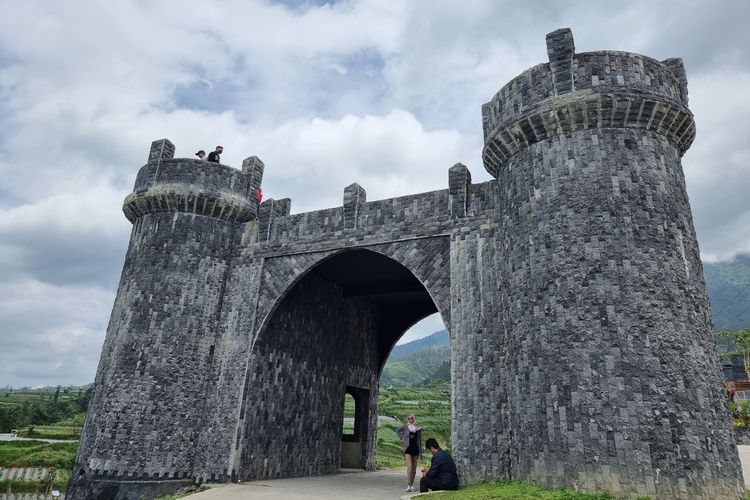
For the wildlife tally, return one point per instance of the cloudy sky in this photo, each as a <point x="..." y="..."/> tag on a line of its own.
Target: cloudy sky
<point x="384" y="93"/>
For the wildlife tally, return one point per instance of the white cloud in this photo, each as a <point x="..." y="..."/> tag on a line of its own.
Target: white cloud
<point x="425" y="327"/>
<point x="717" y="167"/>
<point x="386" y="94"/>
<point x="73" y="238"/>
<point x="313" y="160"/>
<point x="51" y="334"/>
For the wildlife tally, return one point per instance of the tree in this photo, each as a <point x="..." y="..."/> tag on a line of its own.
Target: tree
<point x="740" y="341"/>
<point x="740" y="413"/>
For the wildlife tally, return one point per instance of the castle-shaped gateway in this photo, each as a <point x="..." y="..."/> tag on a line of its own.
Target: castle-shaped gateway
<point x="571" y="285"/>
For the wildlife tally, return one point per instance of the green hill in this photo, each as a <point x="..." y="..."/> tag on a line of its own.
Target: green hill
<point x="427" y="360"/>
<point x="422" y="362"/>
<point x="403" y="351"/>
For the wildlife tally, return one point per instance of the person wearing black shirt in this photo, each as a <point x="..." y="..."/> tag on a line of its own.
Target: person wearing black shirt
<point x="411" y="435"/>
<point x="442" y="472"/>
<point x="214" y="156"/>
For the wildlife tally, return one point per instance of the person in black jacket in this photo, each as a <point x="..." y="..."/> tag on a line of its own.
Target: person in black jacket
<point x="442" y="473"/>
<point x="214" y="156"/>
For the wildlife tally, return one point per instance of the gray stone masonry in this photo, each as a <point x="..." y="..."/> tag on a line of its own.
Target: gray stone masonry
<point x="354" y="199"/>
<point x="459" y="184"/>
<point x="571" y="286"/>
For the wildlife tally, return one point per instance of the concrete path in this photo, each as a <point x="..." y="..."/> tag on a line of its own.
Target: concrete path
<point x="745" y="460"/>
<point x="385" y="484"/>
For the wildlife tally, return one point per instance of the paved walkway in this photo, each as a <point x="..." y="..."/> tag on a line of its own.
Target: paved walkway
<point x="745" y="459"/>
<point x="385" y="484"/>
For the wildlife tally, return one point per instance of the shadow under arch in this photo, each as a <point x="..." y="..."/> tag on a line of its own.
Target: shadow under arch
<point x="329" y="332"/>
<point x="377" y="274"/>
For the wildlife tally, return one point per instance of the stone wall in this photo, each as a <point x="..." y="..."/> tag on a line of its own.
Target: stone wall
<point x="609" y="333"/>
<point x="258" y="285"/>
<point x="317" y="343"/>
<point x="145" y="415"/>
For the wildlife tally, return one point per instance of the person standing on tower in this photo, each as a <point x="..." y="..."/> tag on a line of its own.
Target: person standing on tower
<point x="214" y="156"/>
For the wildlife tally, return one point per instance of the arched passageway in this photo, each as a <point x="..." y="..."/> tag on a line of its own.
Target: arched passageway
<point x="328" y="335"/>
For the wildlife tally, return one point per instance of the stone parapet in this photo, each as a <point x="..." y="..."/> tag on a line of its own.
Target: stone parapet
<point x="167" y="184"/>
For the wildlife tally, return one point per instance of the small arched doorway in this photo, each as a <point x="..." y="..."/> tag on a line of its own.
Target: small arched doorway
<point x="328" y="335"/>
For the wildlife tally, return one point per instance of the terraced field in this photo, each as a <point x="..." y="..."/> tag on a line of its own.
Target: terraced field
<point x="432" y="407"/>
<point x="27" y="467"/>
<point x="43" y="407"/>
<point x="35" y="483"/>
<point x="35" y="467"/>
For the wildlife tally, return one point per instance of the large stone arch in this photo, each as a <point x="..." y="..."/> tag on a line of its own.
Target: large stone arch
<point x="326" y="324"/>
<point x="428" y="259"/>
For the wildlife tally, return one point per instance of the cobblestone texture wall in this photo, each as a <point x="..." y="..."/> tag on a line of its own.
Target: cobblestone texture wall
<point x="571" y="286"/>
<point x="616" y="383"/>
<point x="316" y="344"/>
<point x="145" y="416"/>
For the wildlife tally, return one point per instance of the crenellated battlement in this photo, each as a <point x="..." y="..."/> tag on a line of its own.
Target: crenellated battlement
<point x="590" y="90"/>
<point x="424" y="213"/>
<point x="168" y="184"/>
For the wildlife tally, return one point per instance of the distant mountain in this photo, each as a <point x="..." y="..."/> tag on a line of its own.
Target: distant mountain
<point x="401" y="352"/>
<point x="427" y="360"/>
<point x="421" y="362"/>
<point x="728" y="285"/>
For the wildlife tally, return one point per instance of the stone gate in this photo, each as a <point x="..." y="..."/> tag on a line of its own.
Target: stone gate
<point x="571" y="285"/>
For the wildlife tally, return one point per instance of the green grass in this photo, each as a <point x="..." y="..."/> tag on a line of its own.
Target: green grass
<point x="15" y="486"/>
<point x="58" y="457"/>
<point x="183" y="494"/>
<point x="37" y="454"/>
<point x="55" y="431"/>
<point x="511" y="490"/>
<point x="431" y="405"/>
<point x="60" y="482"/>
<point x="18" y="397"/>
<point x="72" y="421"/>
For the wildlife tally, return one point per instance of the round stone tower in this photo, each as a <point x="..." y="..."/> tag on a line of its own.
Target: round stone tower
<point x="146" y="414"/>
<point x="615" y="382"/>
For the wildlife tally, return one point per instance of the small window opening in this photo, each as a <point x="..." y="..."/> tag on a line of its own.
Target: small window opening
<point x="350" y="410"/>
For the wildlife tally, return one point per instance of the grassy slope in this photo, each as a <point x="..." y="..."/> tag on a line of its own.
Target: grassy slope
<point x="729" y="290"/>
<point x="432" y="407"/>
<point x="58" y="457"/>
<point x="403" y="351"/>
<point x="516" y="491"/>
<point x="37" y="454"/>
<point x="419" y="368"/>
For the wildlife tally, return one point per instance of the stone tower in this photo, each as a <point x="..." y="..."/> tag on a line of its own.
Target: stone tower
<point x="151" y="382"/>
<point x="609" y="361"/>
<point x="571" y="285"/>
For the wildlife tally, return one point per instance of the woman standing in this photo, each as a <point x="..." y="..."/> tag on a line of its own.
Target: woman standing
<point x="411" y="435"/>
